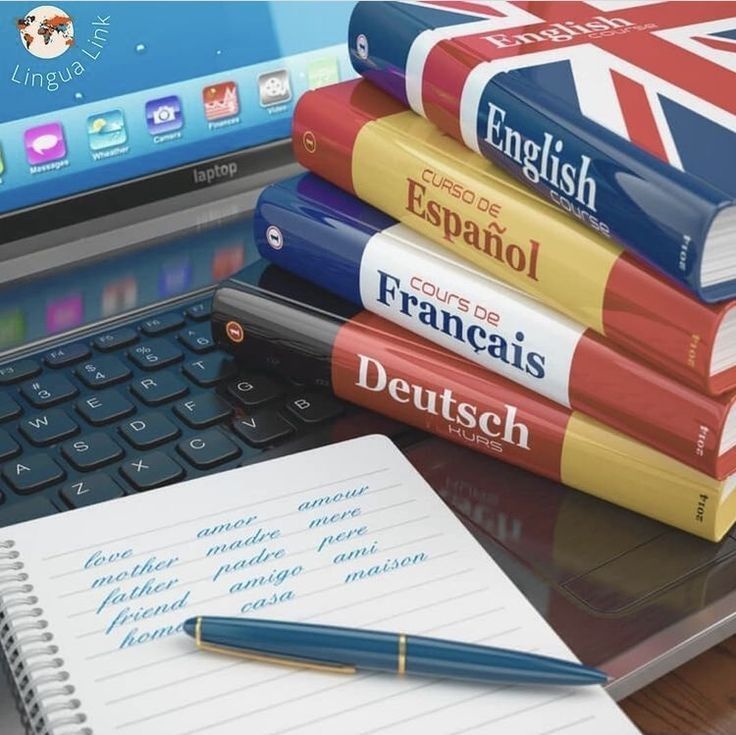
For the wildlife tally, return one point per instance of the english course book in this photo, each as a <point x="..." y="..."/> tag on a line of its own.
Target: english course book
<point x="316" y="230"/>
<point x="285" y="323"/>
<point x="623" y="116"/>
<point x="370" y="145"/>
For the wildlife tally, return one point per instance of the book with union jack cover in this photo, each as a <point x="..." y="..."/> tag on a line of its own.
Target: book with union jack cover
<point x="274" y="320"/>
<point x="367" y="143"/>
<point x="623" y="114"/>
<point x="321" y="233"/>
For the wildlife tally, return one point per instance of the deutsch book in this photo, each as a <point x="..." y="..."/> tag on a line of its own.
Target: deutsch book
<point x="284" y="323"/>
<point x="370" y="145"/>
<point x="317" y="231"/>
<point x="622" y="115"/>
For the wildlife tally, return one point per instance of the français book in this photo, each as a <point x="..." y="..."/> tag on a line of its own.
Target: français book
<point x="621" y="115"/>
<point x="281" y="322"/>
<point x="368" y="144"/>
<point x="319" y="232"/>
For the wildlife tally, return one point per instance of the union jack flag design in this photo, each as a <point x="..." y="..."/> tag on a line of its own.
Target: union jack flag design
<point x="610" y="81"/>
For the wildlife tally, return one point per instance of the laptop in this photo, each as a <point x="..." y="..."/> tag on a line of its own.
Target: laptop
<point x="134" y="140"/>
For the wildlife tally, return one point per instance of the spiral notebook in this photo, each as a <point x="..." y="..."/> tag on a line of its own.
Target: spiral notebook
<point x="92" y="603"/>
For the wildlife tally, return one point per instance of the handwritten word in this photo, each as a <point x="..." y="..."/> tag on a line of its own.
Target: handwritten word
<point x="133" y="638"/>
<point x="225" y="527"/>
<point x="274" y="599"/>
<point x="334" y="518"/>
<point x="256" y="538"/>
<point x="262" y="556"/>
<point x="99" y="558"/>
<point x="336" y="538"/>
<point x="125" y="616"/>
<point x="149" y="566"/>
<point x="356" y="553"/>
<point x="276" y="578"/>
<point x="336" y="498"/>
<point x="150" y="587"/>
<point x="388" y="566"/>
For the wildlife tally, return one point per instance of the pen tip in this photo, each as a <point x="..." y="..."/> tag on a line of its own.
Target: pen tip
<point x="190" y="626"/>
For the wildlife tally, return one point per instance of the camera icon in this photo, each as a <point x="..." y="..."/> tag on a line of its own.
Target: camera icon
<point x="164" y="115"/>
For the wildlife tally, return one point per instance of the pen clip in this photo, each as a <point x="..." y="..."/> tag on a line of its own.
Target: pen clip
<point x="299" y="663"/>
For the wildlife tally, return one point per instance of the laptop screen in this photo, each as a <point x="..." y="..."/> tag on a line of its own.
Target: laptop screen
<point x="94" y="94"/>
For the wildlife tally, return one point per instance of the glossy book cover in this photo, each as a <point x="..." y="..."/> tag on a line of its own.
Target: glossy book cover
<point x="319" y="232"/>
<point x="621" y="115"/>
<point x="272" y="318"/>
<point x="368" y="144"/>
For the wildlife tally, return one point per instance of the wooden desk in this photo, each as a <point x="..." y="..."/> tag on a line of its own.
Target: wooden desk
<point x="699" y="698"/>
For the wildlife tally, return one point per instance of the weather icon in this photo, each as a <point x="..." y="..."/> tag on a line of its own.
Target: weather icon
<point x="106" y="130"/>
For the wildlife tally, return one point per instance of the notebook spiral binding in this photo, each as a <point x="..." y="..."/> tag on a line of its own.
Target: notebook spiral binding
<point x="41" y="685"/>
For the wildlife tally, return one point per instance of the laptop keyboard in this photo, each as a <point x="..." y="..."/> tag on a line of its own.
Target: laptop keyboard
<point x="144" y="405"/>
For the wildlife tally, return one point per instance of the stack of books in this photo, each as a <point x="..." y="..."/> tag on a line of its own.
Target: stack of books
<point x="530" y="208"/>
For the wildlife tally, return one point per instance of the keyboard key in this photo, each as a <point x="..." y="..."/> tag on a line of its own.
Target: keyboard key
<point x="46" y="428"/>
<point x="31" y="473"/>
<point x="314" y="408"/>
<point x="115" y="340"/>
<point x="8" y="446"/>
<point x="210" y="369"/>
<point x="104" y="408"/>
<point x="148" y="431"/>
<point x="155" y="354"/>
<point x="199" y="312"/>
<point x="48" y="390"/>
<point x="208" y="449"/>
<point x="91" y="451"/>
<point x="202" y="410"/>
<point x="26" y="510"/>
<point x="151" y="470"/>
<point x="261" y="429"/>
<point x="67" y="355"/>
<point x="9" y="409"/>
<point x="102" y="372"/>
<point x="17" y="371"/>
<point x="158" y="389"/>
<point x="161" y="324"/>
<point x="91" y="489"/>
<point x="198" y="339"/>
<point x="254" y="390"/>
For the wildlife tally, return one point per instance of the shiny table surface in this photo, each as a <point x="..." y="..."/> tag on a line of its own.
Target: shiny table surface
<point x="699" y="697"/>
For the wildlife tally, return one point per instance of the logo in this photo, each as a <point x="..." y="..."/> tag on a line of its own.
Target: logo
<point x="164" y="115"/>
<point x="274" y="237"/>
<point x="45" y="143"/>
<point x="220" y="100"/>
<point x="274" y="87"/>
<point x="215" y="173"/>
<point x="46" y="32"/>
<point x="235" y="332"/>
<point x="106" y="130"/>
<point x="309" y="142"/>
<point x="322" y="72"/>
<point x="361" y="46"/>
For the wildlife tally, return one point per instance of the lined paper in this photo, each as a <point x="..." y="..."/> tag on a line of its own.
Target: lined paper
<point x="343" y="535"/>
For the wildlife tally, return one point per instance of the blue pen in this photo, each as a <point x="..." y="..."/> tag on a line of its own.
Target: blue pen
<point x="345" y="650"/>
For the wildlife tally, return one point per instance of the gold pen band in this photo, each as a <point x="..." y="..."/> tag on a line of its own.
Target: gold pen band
<point x="401" y="669"/>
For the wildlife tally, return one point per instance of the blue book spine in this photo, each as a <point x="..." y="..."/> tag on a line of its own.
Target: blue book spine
<point x="527" y="117"/>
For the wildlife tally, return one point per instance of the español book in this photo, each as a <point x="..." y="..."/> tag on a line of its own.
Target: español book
<point x="320" y="232"/>
<point x="276" y="320"/>
<point x="623" y="115"/>
<point x="370" y="145"/>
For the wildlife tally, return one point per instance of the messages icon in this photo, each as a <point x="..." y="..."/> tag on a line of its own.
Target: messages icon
<point x="45" y="143"/>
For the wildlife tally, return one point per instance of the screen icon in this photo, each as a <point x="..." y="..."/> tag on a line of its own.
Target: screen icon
<point x="164" y="115"/>
<point x="274" y="87"/>
<point x="226" y="261"/>
<point x="119" y="296"/>
<point x="106" y="130"/>
<point x="2" y="163"/>
<point x="322" y="72"/>
<point x="64" y="313"/>
<point x="12" y="327"/>
<point x="45" y="143"/>
<point x="220" y="100"/>
<point x="175" y="277"/>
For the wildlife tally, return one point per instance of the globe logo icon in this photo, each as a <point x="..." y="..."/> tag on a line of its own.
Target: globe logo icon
<point x="46" y="32"/>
